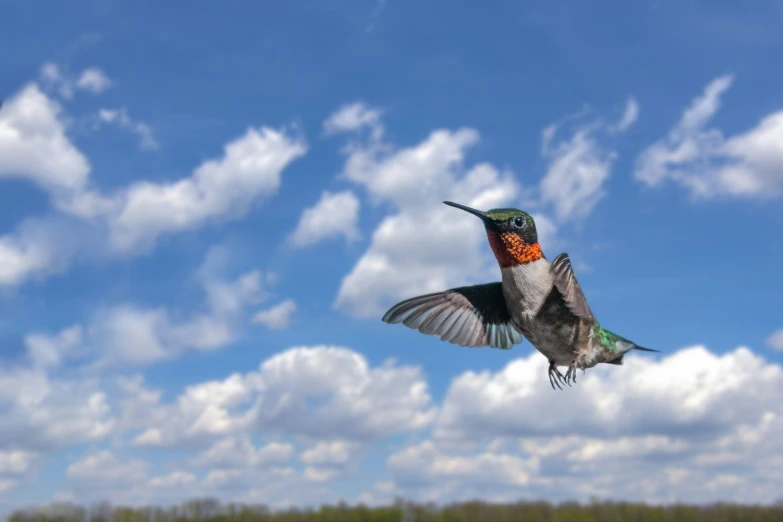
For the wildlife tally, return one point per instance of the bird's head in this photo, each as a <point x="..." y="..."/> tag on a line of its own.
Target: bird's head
<point x="511" y="233"/>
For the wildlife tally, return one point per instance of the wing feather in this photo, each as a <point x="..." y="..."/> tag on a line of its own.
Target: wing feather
<point x="568" y="286"/>
<point x="469" y="316"/>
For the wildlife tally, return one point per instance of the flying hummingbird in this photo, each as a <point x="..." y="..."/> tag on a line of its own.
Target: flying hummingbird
<point x="539" y="300"/>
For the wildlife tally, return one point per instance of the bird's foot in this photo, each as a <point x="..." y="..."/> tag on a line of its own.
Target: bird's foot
<point x="577" y="363"/>
<point x="555" y="377"/>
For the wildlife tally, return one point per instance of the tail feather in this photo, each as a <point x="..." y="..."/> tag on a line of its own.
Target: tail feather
<point x="642" y="348"/>
<point x="612" y="340"/>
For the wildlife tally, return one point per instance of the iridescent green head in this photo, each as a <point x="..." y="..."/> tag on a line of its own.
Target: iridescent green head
<point x="512" y="233"/>
<point x="510" y="220"/>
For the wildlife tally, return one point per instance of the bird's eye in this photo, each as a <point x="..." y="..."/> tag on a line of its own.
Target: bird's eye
<point x="519" y="222"/>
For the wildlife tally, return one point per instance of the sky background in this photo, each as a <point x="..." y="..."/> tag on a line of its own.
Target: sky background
<point x="204" y="213"/>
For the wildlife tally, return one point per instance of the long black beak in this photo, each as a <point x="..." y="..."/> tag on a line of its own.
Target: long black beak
<point x="473" y="211"/>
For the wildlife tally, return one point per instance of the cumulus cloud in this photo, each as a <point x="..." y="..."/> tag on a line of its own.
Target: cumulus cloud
<point x="277" y="487"/>
<point x="328" y="459"/>
<point x="443" y="474"/>
<point x="321" y="405"/>
<point x="354" y="401"/>
<point x="122" y="119"/>
<point x="239" y="452"/>
<point x="335" y="214"/>
<point x="100" y="475"/>
<point x="45" y="350"/>
<point x="34" y="145"/>
<point x="412" y="250"/>
<point x="126" y="333"/>
<point x="707" y="164"/>
<point x="219" y="189"/>
<point x="42" y="413"/>
<point x="691" y="389"/>
<point x="353" y="117"/>
<point x="16" y="467"/>
<point x="693" y="425"/>
<point x="104" y="470"/>
<point x="176" y="479"/>
<point x="277" y="317"/>
<point x="37" y="248"/>
<point x="130" y="334"/>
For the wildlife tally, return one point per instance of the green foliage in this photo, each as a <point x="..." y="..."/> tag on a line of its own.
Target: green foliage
<point x="400" y="511"/>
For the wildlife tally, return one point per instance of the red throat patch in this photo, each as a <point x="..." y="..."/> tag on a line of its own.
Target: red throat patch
<point x="511" y="250"/>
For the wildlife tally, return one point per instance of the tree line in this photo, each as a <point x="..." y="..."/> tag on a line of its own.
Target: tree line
<point x="401" y="511"/>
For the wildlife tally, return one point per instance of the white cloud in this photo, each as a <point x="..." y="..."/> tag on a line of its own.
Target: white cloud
<point x="122" y="119"/>
<point x="629" y="117"/>
<point x="240" y="452"/>
<point x="129" y="334"/>
<point x="100" y="475"/>
<point x="579" y="166"/>
<point x="353" y="117"/>
<point x="16" y="462"/>
<point x="36" y="248"/>
<point x="354" y="401"/>
<point x="16" y="468"/>
<point x="34" y="146"/>
<point x="547" y="231"/>
<point x="691" y="389"/>
<point x="44" y="413"/>
<point x="52" y="75"/>
<point x="93" y="80"/>
<point x="219" y="189"/>
<point x="102" y="469"/>
<point x="335" y="214"/>
<point x="693" y="426"/>
<point x="454" y="475"/>
<point x="173" y="480"/>
<point x="328" y="452"/>
<point x="775" y="341"/>
<point x="706" y="163"/>
<point x="412" y="251"/>
<point x="277" y="317"/>
<point x="44" y="350"/>
<point x="329" y="459"/>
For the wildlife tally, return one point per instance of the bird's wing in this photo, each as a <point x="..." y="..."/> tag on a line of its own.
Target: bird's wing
<point x="568" y="286"/>
<point x="469" y="316"/>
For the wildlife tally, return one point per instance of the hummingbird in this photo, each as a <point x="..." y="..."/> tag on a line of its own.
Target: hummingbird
<point x="535" y="299"/>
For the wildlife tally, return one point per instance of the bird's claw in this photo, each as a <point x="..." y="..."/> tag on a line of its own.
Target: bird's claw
<point x="555" y="377"/>
<point x="571" y="373"/>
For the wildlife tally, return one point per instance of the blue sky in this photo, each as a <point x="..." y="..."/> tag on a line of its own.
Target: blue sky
<point x="205" y="213"/>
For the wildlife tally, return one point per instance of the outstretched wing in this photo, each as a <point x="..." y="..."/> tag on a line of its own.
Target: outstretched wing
<point x="469" y="316"/>
<point x="568" y="286"/>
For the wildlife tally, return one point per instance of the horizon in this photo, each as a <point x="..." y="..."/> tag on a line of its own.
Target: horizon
<point x="206" y="212"/>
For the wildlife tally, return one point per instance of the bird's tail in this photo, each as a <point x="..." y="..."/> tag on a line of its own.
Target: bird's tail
<point x="642" y="348"/>
<point x="624" y="346"/>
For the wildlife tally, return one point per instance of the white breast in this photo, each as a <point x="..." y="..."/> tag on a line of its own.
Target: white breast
<point x="526" y="287"/>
